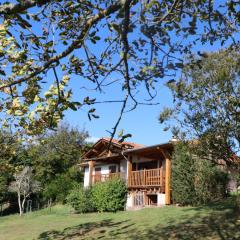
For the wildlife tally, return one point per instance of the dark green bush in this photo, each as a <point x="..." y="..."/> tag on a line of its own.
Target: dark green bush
<point x="194" y="180"/>
<point x="238" y="181"/>
<point x="210" y="182"/>
<point x="59" y="188"/>
<point x="80" y="199"/>
<point x="109" y="196"/>
<point x="183" y="174"/>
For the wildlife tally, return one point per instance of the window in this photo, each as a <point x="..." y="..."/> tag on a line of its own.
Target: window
<point x="112" y="169"/>
<point x="97" y="170"/>
<point x="152" y="199"/>
<point x="138" y="199"/>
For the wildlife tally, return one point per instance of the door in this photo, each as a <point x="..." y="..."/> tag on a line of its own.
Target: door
<point x="97" y="176"/>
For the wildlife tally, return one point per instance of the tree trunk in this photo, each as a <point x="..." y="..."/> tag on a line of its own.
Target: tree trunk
<point x="19" y="204"/>
<point x="23" y="203"/>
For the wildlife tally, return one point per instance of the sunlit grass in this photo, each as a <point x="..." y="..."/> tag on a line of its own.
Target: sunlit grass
<point x="217" y="221"/>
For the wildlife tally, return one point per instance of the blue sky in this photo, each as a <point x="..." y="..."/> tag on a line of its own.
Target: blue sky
<point x="142" y="123"/>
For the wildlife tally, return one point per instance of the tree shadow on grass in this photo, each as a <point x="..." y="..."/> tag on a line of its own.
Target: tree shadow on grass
<point x="92" y="230"/>
<point x="212" y="222"/>
<point x="220" y="225"/>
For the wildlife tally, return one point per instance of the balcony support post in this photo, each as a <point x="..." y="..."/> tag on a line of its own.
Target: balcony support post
<point x="129" y="170"/>
<point x="90" y="165"/>
<point x="167" y="177"/>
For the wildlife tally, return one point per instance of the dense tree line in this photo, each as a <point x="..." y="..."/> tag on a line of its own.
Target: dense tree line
<point x="47" y="164"/>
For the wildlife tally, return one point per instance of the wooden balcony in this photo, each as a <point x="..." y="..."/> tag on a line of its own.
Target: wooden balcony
<point x="105" y="177"/>
<point x="146" y="178"/>
<point x="137" y="179"/>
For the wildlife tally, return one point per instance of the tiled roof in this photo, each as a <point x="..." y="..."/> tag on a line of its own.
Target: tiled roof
<point x="132" y="144"/>
<point x="115" y="142"/>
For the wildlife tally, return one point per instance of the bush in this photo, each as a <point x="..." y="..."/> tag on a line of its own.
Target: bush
<point x="109" y="196"/>
<point x="238" y="181"/>
<point x="59" y="188"/>
<point x="210" y="182"/>
<point x="80" y="199"/>
<point x="183" y="174"/>
<point x="194" y="180"/>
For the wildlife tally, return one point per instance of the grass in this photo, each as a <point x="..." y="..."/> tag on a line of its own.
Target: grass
<point x="220" y="221"/>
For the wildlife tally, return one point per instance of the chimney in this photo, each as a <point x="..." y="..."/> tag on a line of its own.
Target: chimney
<point x="174" y="139"/>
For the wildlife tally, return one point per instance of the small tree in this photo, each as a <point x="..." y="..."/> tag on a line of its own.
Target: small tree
<point x="24" y="185"/>
<point x="183" y="175"/>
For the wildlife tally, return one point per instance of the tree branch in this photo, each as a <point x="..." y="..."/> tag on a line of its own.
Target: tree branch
<point x="118" y="121"/>
<point x="75" y="44"/>
<point x="9" y="8"/>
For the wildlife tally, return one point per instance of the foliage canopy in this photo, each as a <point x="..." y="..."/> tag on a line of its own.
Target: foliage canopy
<point x="45" y="44"/>
<point x="207" y="106"/>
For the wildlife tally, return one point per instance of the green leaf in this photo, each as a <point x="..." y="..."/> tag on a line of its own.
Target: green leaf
<point x="2" y="72"/>
<point x="95" y="116"/>
<point x="92" y="110"/>
<point x="72" y="106"/>
<point x="179" y="65"/>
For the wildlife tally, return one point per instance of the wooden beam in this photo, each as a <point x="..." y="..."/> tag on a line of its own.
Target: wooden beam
<point x="90" y="165"/>
<point x="168" y="182"/>
<point x="129" y="169"/>
<point x="167" y="177"/>
<point x="161" y="176"/>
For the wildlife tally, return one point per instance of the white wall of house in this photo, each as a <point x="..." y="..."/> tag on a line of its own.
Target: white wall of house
<point x="104" y="170"/>
<point x="161" y="199"/>
<point x="129" y="203"/>
<point x="123" y="167"/>
<point x="86" y="177"/>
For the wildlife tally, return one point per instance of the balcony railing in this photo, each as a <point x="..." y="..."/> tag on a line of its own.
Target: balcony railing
<point x="105" y="177"/>
<point x="146" y="178"/>
<point x="136" y="179"/>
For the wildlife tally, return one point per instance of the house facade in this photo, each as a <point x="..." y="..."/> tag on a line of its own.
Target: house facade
<point x="146" y="170"/>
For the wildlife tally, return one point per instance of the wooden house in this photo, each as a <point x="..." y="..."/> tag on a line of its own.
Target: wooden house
<point x="146" y="170"/>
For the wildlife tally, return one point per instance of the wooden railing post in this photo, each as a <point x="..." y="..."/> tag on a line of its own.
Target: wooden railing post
<point x="161" y="177"/>
<point x="90" y="165"/>
<point x="144" y="177"/>
<point x="129" y="171"/>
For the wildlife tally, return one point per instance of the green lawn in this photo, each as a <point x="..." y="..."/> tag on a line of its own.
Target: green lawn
<point x="213" y="222"/>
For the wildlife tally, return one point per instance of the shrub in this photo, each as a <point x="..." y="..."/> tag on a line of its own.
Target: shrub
<point x="194" y="180"/>
<point x="80" y="199"/>
<point x="210" y="182"/>
<point x="109" y="196"/>
<point x="238" y="181"/>
<point x="59" y="188"/>
<point x="183" y="174"/>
